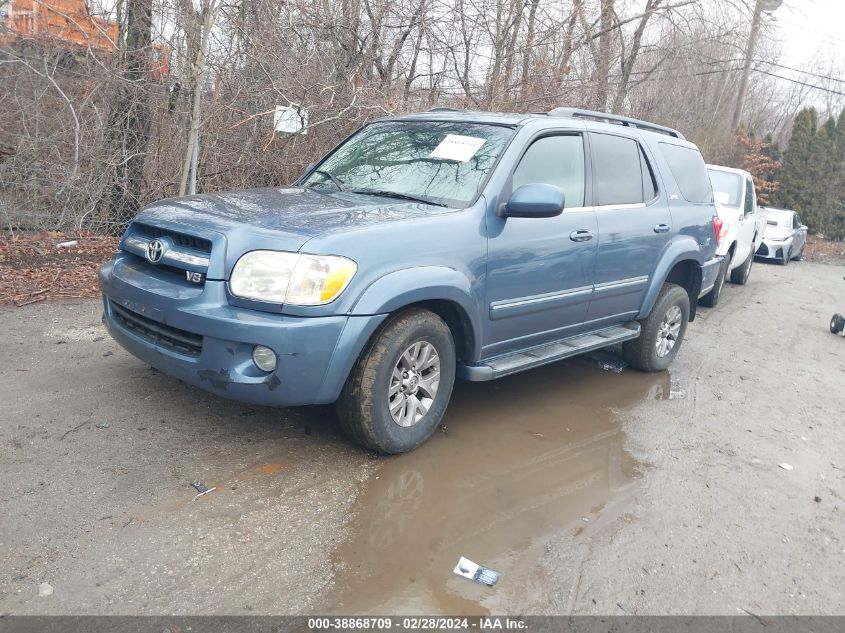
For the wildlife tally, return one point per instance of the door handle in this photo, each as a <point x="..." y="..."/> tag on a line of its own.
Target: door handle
<point x="661" y="228"/>
<point x="581" y="236"/>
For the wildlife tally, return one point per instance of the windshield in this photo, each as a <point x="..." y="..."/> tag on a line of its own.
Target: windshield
<point x="779" y="218"/>
<point x="439" y="162"/>
<point x="726" y="187"/>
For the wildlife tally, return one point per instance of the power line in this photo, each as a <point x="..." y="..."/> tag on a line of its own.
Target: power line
<point x="803" y="72"/>
<point x="801" y="83"/>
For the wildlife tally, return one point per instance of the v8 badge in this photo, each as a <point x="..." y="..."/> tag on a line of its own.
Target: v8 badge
<point x="197" y="278"/>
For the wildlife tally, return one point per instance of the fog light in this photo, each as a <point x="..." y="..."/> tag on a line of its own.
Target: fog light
<point x="264" y="357"/>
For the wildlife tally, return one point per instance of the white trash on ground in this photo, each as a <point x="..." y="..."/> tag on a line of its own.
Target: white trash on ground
<point x="476" y="572"/>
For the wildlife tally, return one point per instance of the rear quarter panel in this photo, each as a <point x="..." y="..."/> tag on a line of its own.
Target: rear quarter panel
<point x="692" y="223"/>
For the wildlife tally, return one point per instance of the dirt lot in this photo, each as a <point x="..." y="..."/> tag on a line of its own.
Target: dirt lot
<point x="590" y="491"/>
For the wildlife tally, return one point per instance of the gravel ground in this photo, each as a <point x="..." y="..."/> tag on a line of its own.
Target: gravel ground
<point x="717" y="526"/>
<point x="592" y="492"/>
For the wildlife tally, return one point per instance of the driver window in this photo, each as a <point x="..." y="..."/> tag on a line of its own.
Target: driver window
<point x="555" y="160"/>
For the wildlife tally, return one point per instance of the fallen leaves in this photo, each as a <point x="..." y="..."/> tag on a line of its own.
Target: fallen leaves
<point x="824" y="251"/>
<point x="33" y="268"/>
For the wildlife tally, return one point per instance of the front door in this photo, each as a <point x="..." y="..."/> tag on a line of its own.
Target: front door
<point x="634" y="222"/>
<point x="800" y="239"/>
<point x="540" y="269"/>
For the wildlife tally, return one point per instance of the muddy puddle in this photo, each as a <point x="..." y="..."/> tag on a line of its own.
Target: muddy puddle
<point x="521" y="460"/>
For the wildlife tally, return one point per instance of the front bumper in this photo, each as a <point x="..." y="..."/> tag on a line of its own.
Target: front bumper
<point x="772" y="249"/>
<point x="194" y="335"/>
<point x="709" y="274"/>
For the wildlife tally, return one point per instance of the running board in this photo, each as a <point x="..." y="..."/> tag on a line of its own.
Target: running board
<point x="514" y="362"/>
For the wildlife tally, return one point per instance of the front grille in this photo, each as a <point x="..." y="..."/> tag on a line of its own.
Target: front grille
<point x="192" y="242"/>
<point x="164" y="335"/>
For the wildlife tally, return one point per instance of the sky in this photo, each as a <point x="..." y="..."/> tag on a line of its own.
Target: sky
<point x="811" y="33"/>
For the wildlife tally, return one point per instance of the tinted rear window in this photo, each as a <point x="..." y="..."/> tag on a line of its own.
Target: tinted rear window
<point x="617" y="170"/>
<point x="690" y="173"/>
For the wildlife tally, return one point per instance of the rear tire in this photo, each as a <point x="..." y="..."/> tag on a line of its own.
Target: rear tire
<point x="662" y="331"/>
<point x="740" y="275"/>
<point x="392" y="401"/>
<point x="711" y="299"/>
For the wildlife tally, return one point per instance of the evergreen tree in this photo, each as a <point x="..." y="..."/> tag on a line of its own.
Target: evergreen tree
<point x="812" y="179"/>
<point x="796" y="187"/>
<point x="835" y="226"/>
<point x="823" y="173"/>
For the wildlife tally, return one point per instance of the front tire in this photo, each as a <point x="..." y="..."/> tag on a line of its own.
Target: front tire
<point x="837" y="324"/>
<point x="662" y="331"/>
<point x="740" y="275"/>
<point x="800" y="255"/>
<point x="398" y="391"/>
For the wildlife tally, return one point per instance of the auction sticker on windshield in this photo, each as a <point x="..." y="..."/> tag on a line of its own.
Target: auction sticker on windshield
<point x="457" y="147"/>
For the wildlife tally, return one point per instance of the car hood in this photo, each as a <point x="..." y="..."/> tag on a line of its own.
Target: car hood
<point x="776" y="232"/>
<point x="293" y="213"/>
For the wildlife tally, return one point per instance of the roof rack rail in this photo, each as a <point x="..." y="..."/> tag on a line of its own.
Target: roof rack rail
<point x="447" y="110"/>
<point x="575" y="113"/>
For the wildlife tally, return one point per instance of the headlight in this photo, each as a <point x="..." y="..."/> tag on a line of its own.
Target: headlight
<point x="292" y="278"/>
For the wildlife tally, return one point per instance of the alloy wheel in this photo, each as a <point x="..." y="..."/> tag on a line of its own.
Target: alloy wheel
<point x="667" y="333"/>
<point x="413" y="383"/>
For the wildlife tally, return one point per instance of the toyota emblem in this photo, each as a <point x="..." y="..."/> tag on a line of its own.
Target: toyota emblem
<point x="155" y="251"/>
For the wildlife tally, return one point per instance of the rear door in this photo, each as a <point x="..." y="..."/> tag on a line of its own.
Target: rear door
<point x="540" y="269"/>
<point x="634" y="225"/>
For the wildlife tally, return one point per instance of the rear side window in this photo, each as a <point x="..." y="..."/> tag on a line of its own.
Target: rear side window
<point x="726" y="187"/>
<point x="687" y="166"/>
<point x="617" y="170"/>
<point x="555" y="160"/>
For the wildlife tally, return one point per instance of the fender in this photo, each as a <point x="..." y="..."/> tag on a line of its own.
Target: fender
<point x="423" y="283"/>
<point x="682" y="247"/>
<point x="388" y="294"/>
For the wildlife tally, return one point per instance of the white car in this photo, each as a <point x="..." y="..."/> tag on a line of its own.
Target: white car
<point x="743" y="225"/>
<point x="785" y="236"/>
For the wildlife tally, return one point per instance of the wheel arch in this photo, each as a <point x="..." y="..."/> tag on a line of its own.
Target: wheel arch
<point x="681" y="265"/>
<point x="444" y="291"/>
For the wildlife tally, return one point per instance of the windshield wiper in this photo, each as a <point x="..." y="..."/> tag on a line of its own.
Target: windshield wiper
<point x="394" y="194"/>
<point x="337" y="182"/>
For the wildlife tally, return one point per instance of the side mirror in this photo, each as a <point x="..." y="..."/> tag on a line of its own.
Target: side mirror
<point x="534" y="200"/>
<point x="803" y="227"/>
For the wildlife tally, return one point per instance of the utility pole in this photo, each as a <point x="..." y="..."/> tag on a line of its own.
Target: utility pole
<point x="759" y="7"/>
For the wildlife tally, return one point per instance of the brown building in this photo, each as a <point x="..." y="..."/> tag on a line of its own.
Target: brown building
<point x="67" y="21"/>
<point x="69" y="24"/>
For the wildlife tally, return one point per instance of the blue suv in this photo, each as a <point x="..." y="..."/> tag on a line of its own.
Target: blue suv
<point x="427" y="247"/>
